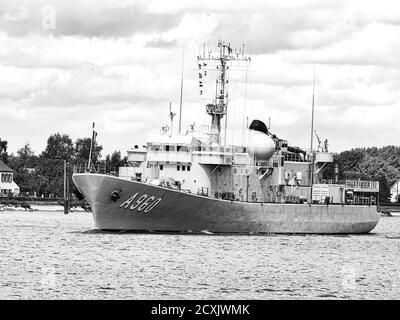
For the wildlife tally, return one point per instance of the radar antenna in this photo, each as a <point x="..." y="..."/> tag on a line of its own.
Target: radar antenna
<point x="171" y="116"/>
<point x="218" y="108"/>
<point x="164" y="129"/>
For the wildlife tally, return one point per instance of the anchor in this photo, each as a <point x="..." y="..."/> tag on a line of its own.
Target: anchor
<point x="115" y="195"/>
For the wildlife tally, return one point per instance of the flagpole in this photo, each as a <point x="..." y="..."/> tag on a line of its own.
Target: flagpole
<point x="180" y="104"/>
<point x="312" y="136"/>
<point x="91" y="146"/>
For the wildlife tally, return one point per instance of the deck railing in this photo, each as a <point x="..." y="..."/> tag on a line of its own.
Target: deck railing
<point x="362" y="184"/>
<point x="364" y="200"/>
<point x="355" y="184"/>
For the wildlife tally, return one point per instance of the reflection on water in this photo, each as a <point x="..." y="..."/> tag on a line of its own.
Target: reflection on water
<point x="49" y="255"/>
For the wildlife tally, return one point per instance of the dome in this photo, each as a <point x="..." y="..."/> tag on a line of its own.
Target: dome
<point x="260" y="145"/>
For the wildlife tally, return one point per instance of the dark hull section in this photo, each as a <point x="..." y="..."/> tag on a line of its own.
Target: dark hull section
<point x="146" y="207"/>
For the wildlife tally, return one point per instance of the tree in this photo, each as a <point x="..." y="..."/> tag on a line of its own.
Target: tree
<point x="380" y="164"/>
<point x="27" y="156"/>
<point x="59" y="147"/>
<point x="349" y="162"/>
<point x="3" y="151"/>
<point x="50" y="168"/>
<point x="108" y="163"/>
<point x="82" y="151"/>
<point x="115" y="161"/>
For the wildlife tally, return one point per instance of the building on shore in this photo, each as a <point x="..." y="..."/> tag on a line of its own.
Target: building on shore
<point x="395" y="191"/>
<point x="7" y="184"/>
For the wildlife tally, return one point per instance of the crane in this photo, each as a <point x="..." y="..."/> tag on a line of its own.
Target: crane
<point x="319" y="148"/>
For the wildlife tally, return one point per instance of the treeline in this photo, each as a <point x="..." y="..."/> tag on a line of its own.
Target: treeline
<point x="380" y="164"/>
<point x="43" y="174"/>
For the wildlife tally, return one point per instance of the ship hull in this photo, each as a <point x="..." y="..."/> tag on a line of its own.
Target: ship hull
<point x="139" y="206"/>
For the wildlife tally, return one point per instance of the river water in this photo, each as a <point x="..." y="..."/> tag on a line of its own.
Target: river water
<point x="49" y="255"/>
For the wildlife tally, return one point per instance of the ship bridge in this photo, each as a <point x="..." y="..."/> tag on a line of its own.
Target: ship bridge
<point x="170" y="149"/>
<point x="217" y="155"/>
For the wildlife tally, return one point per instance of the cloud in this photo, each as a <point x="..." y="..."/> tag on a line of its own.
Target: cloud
<point x="119" y="63"/>
<point x="160" y="43"/>
<point x="375" y="44"/>
<point x="88" y="19"/>
<point x="279" y="28"/>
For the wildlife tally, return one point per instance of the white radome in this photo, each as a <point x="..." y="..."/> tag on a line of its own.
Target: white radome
<point x="260" y="145"/>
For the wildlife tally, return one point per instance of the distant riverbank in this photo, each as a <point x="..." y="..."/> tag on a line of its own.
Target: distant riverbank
<point x="389" y="209"/>
<point x="38" y="207"/>
<point x="34" y="205"/>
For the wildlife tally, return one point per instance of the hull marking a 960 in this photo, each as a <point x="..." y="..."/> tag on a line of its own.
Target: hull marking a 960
<point x="143" y="203"/>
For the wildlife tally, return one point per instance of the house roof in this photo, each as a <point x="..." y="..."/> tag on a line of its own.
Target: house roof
<point x="4" y="167"/>
<point x="394" y="184"/>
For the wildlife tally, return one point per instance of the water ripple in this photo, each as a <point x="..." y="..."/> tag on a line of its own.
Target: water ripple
<point x="49" y="255"/>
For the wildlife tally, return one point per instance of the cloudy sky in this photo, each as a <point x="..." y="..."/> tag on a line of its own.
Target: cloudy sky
<point x="65" y="64"/>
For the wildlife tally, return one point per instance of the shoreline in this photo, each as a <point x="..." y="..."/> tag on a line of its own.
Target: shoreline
<point x="54" y="208"/>
<point x="32" y="206"/>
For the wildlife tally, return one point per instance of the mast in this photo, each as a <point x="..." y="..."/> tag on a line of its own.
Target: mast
<point x="312" y="136"/>
<point x="65" y="188"/>
<point x="180" y="103"/>
<point x="218" y="109"/>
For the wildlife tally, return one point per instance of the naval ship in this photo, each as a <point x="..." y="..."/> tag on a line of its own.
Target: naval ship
<point x="196" y="182"/>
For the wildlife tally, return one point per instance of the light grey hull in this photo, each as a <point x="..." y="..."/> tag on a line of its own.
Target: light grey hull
<point x="146" y="207"/>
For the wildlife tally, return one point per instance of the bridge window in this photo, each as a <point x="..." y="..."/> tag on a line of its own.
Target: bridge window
<point x="183" y="168"/>
<point x="178" y="168"/>
<point x="161" y="167"/>
<point x="154" y="147"/>
<point x="188" y="168"/>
